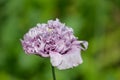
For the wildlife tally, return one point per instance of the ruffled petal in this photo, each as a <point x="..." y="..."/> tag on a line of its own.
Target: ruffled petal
<point x="71" y="59"/>
<point x="55" y="58"/>
<point x="60" y="45"/>
<point x="83" y="44"/>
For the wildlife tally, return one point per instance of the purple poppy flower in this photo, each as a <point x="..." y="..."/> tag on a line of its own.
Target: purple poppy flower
<point x="55" y="40"/>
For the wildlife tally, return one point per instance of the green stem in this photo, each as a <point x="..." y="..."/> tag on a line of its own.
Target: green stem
<point x="53" y="73"/>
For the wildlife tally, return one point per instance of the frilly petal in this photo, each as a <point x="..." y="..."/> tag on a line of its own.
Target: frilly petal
<point x="55" y="58"/>
<point x="83" y="44"/>
<point x="71" y="59"/>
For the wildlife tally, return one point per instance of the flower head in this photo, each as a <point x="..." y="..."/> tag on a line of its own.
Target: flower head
<point x="54" y="40"/>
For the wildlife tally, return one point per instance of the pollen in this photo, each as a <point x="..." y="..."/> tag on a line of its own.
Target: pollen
<point x="49" y="30"/>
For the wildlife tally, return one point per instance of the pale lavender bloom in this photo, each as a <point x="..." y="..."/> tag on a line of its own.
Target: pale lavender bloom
<point x="54" y="40"/>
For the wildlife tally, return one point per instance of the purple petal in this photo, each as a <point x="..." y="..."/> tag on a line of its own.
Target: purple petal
<point x="71" y="59"/>
<point x="55" y="58"/>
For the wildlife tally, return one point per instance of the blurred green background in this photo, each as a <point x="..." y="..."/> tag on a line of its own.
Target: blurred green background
<point x="97" y="21"/>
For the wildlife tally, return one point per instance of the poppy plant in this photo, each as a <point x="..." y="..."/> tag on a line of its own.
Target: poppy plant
<point x="56" y="41"/>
